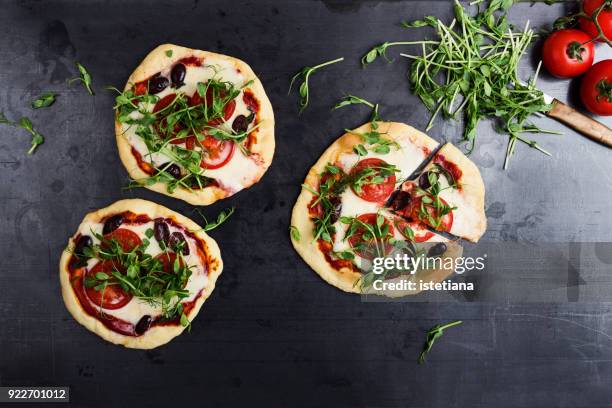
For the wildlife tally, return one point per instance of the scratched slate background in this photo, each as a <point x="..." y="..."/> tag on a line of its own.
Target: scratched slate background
<point x="273" y="333"/>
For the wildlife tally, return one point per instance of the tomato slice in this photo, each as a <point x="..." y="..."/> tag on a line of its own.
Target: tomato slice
<point x="113" y="296"/>
<point x="190" y="142"/>
<point x="372" y="244"/>
<point x="376" y="193"/>
<point x="196" y="99"/>
<point x="217" y="152"/>
<point x="164" y="102"/>
<point x="167" y="259"/>
<point x="141" y="88"/>
<point x="421" y="233"/>
<point x="228" y="111"/>
<point x="446" y="222"/>
<point x="127" y="239"/>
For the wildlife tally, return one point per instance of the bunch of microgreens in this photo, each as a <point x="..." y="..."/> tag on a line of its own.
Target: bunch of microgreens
<point x="374" y="238"/>
<point x="44" y="101"/>
<point x="158" y="129"/>
<point x="430" y="197"/>
<point x="305" y="74"/>
<point x="145" y="276"/>
<point x="471" y="70"/>
<point x="432" y="335"/>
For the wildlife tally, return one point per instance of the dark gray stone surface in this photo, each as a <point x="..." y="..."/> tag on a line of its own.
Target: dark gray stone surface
<point x="273" y="333"/>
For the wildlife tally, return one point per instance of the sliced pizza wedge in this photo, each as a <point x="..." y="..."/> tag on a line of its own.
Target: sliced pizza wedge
<point x="447" y="196"/>
<point x="194" y="125"/>
<point x="136" y="273"/>
<point x="341" y="213"/>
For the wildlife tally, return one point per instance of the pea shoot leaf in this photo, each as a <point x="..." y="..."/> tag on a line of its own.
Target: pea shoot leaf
<point x="432" y="335"/>
<point x="304" y="75"/>
<point x="45" y="100"/>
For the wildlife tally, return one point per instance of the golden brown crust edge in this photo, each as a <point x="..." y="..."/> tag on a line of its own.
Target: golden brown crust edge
<point x="264" y="146"/>
<point x="344" y="279"/>
<point x="156" y="335"/>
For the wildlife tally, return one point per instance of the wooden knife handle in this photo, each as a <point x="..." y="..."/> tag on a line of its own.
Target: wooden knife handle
<point x="589" y="127"/>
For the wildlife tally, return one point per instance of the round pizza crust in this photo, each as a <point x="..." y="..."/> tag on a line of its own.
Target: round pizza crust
<point x="345" y="278"/>
<point x="264" y="145"/>
<point x="156" y="335"/>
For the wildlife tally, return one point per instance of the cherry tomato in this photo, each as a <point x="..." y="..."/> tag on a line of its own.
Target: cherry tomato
<point x="196" y="99"/>
<point x="127" y="239"/>
<point x="372" y="246"/>
<point x="217" y="153"/>
<point x="564" y="56"/>
<point x="421" y="233"/>
<point x="604" y="19"/>
<point x="596" y="88"/>
<point x="112" y="296"/>
<point x="375" y="192"/>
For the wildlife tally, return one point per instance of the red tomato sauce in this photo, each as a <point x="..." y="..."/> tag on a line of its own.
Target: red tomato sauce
<point x="252" y="103"/>
<point x="193" y="61"/>
<point x="452" y="168"/>
<point x="143" y="165"/>
<point x="337" y="264"/>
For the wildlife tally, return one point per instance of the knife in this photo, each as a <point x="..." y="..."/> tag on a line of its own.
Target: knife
<point x="582" y="123"/>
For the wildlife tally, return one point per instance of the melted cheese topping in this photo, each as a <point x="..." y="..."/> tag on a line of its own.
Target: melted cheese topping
<point x="407" y="158"/>
<point x="464" y="214"/>
<point x="241" y="171"/>
<point x="136" y="308"/>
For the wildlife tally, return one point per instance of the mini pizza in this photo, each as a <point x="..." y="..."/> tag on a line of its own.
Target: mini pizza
<point x="136" y="273"/>
<point x="359" y="202"/>
<point x="194" y="125"/>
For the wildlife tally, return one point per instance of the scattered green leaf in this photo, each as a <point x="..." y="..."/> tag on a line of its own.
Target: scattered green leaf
<point x="305" y="74"/>
<point x="84" y="77"/>
<point x="45" y="100"/>
<point x="432" y="335"/>
<point x="295" y="233"/>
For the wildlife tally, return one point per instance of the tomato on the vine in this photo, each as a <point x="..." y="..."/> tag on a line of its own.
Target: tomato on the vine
<point x="596" y="88"/>
<point x="568" y="53"/>
<point x="604" y="19"/>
